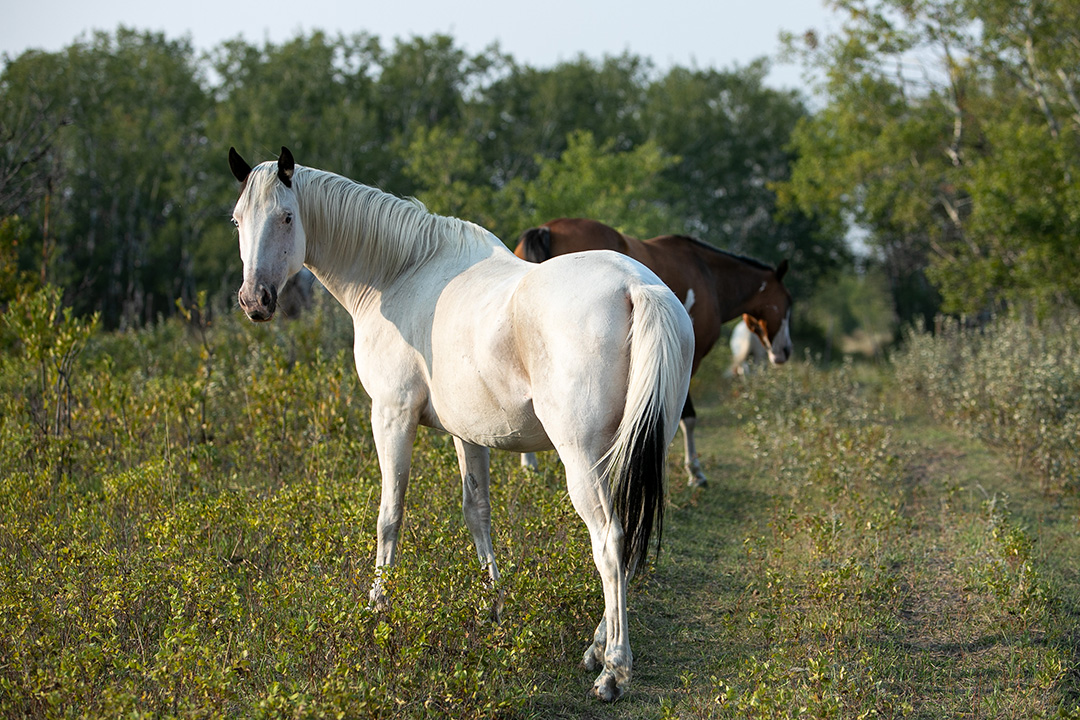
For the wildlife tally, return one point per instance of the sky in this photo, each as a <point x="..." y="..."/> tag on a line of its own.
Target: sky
<point x="719" y="34"/>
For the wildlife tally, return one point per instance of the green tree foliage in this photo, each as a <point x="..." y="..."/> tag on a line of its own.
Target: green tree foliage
<point x="13" y="234"/>
<point x="445" y="169"/>
<point x="585" y="180"/>
<point x="527" y="113"/>
<point x="950" y="135"/>
<point x="119" y="145"/>
<point x="313" y="93"/>
<point x="852" y="312"/>
<point x="731" y="135"/>
<point x="130" y="160"/>
<point x="594" y="181"/>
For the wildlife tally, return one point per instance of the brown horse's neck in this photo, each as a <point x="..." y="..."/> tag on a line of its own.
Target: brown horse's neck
<point x="738" y="281"/>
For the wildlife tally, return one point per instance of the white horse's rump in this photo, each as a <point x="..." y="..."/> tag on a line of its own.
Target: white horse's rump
<point x="589" y="355"/>
<point x="717" y="286"/>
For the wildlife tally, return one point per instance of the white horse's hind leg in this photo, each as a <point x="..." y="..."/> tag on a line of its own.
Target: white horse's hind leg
<point x="529" y="462"/>
<point x="475" y="463"/>
<point x="592" y="501"/>
<point x="394" y="432"/>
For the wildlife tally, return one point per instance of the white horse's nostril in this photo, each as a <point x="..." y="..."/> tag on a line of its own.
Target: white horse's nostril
<point x="267" y="296"/>
<point x="258" y="303"/>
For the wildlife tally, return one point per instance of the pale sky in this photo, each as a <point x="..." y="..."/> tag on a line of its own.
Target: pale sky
<point x="692" y="33"/>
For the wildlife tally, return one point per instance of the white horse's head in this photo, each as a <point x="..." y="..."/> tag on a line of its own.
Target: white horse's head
<point x="771" y="320"/>
<point x="272" y="241"/>
<point x="780" y="347"/>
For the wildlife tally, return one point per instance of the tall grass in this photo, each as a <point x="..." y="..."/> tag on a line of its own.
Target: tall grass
<point x="196" y="538"/>
<point x="187" y="530"/>
<point x="1014" y="383"/>
<point x="879" y="587"/>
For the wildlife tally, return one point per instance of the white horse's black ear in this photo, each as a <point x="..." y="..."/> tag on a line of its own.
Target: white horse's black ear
<point x="781" y="269"/>
<point x="285" y="166"/>
<point x="240" y="168"/>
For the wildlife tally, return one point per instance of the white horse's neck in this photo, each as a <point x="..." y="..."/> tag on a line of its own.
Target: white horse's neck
<point x="361" y="239"/>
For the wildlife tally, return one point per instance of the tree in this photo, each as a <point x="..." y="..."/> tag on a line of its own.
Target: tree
<point x="119" y="145"/>
<point x="525" y="113"/>
<point x="448" y="176"/>
<point x="29" y="126"/>
<point x="621" y="189"/>
<point x="130" y="163"/>
<point x="950" y="137"/>
<point x="731" y="135"/>
<point x="314" y="94"/>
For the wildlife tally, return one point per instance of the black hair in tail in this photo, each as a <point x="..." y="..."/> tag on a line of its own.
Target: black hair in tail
<point x="537" y="244"/>
<point x="639" y="498"/>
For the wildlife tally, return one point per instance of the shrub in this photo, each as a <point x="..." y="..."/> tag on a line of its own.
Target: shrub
<point x="1014" y="383"/>
<point x="203" y="544"/>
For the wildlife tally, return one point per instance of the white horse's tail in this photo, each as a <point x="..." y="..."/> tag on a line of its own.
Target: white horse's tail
<point x="656" y="390"/>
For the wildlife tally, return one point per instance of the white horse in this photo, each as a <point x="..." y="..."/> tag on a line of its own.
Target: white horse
<point x="588" y="355"/>
<point x="746" y="346"/>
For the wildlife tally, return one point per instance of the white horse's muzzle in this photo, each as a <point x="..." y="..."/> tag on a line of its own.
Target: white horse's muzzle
<point x="258" y="301"/>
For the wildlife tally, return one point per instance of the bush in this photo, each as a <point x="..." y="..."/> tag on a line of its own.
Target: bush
<point x="200" y="539"/>
<point x="1014" y="383"/>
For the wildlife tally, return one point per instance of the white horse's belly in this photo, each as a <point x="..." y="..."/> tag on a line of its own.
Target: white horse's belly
<point x="514" y="443"/>
<point x="470" y="411"/>
<point x="478" y="388"/>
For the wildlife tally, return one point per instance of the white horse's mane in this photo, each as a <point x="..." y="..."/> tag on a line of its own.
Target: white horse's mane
<point x="354" y="225"/>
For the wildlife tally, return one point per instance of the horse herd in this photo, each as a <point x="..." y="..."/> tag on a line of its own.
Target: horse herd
<point x="586" y="353"/>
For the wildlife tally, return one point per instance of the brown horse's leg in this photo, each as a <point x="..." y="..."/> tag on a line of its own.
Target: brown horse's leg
<point x="691" y="462"/>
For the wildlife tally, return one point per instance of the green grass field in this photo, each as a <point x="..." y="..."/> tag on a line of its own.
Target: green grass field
<point x="187" y="528"/>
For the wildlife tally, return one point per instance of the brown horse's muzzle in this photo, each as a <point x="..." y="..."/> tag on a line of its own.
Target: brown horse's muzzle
<point x="259" y="303"/>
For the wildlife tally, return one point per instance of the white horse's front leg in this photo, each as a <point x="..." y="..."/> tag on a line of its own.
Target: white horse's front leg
<point x="529" y="462"/>
<point x="394" y="432"/>
<point x="475" y="463"/>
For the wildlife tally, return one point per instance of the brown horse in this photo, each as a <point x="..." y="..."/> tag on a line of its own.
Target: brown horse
<point x="715" y="286"/>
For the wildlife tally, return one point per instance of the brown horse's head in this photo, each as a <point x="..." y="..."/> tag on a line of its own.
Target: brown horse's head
<point x="770" y="317"/>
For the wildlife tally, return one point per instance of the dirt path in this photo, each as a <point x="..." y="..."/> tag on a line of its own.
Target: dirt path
<point x="952" y="622"/>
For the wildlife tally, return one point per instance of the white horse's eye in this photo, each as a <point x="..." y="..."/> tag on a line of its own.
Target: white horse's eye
<point x="235" y="222"/>
<point x="288" y="218"/>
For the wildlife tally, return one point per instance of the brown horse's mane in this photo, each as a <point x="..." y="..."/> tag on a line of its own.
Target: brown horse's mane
<point x="741" y="258"/>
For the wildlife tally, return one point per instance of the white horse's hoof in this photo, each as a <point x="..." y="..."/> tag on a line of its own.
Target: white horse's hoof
<point x="605" y="688"/>
<point x="593" y="658"/>
<point x="697" y="480"/>
<point x="377" y="598"/>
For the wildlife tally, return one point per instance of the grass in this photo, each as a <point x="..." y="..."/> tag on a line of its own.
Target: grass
<point x="932" y="580"/>
<point x="187" y="530"/>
